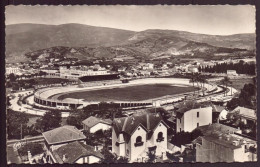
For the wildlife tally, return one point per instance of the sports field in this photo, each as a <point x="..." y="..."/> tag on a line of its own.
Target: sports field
<point x="129" y="93"/>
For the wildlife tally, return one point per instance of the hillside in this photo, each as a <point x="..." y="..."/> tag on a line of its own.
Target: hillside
<point x="84" y="42"/>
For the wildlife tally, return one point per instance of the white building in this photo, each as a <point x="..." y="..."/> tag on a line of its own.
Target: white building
<point x="76" y="153"/>
<point x="74" y="73"/>
<point x="133" y="136"/>
<point x="232" y="72"/>
<point x="10" y="70"/>
<point x="245" y="114"/>
<point x="225" y="147"/>
<point x="191" y="119"/>
<point x="94" y="124"/>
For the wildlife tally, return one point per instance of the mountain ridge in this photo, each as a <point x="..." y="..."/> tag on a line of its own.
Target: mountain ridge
<point x="27" y="38"/>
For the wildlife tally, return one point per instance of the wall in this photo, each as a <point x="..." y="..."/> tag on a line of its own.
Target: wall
<point x="115" y="149"/>
<point x="180" y="124"/>
<point x="211" y="152"/>
<point x="191" y="120"/>
<point x="136" y="151"/>
<point x="88" y="160"/>
<point x="161" y="146"/>
<point x="99" y="126"/>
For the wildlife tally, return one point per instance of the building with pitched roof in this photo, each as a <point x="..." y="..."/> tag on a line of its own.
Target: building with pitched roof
<point x="225" y="147"/>
<point x="246" y="114"/>
<point x="220" y="111"/>
<point x="76" y="152"/>
<point x="62" y="136"/>
<point x="189" y="120"/>
<point x="133" y="136"/>
<point x="93" y="124"/>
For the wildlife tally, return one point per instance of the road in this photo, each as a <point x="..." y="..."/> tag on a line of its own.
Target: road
<point x="28" y="108"/>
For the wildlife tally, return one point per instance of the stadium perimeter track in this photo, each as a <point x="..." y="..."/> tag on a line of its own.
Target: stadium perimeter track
<point x="48" y="97"/>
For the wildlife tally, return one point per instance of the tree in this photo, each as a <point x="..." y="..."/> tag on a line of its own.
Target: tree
<point x="202" y="80"/>
<point x="16" y="124"/>
<point x="193" y="80"/>
<point x="151" y="154"/>
<point x="108" y="156"/>
<point x="225" y="81"/>
<point x="12" y="77"/>
<point x="50" y="120"/>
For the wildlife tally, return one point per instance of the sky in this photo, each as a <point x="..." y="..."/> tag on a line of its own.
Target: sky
<point x="215" y="20"/>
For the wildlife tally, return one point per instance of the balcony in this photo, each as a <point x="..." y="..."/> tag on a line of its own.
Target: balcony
<point x="160" y="139"/>
<point x="139" y="144"/>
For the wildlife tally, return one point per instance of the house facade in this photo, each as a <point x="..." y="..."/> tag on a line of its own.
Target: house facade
<point x="94" y="124"/>
<point x="191" y="119"/>
<point x="225" y="148"/>
<point x="245" y="114"/>
<point x="133" y="136"/>
<point x="76" y="152"/>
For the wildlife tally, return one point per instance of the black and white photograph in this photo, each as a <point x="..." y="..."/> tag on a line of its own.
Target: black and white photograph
<point x="90" y="84"/>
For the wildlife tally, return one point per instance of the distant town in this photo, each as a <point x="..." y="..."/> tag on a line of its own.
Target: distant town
<point x="211" y="123"/>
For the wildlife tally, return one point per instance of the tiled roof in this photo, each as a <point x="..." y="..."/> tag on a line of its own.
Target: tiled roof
<point x="127" y="125"/>
<point x="246" y="112"/>
<point x="92" y="121"/>
<point x="63" y="134"/>
<point x="73" y="151"/>
<point x="216" y="127"/>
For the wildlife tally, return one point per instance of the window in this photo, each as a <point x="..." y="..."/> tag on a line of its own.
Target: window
<point x="160" y="137"/>
<point x="198" y="114"/>
<point x="138" y="141"/>
<point x="198" y="124"/>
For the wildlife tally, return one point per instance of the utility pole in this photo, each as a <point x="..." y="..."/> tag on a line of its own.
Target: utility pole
<point x="21" y="131"/>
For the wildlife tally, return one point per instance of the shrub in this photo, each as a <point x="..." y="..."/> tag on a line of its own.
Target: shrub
<point x="34" y="148"/>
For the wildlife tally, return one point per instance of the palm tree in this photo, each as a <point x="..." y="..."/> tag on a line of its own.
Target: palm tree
<point x="198" y="80"/>
<point x="203" y="80"/>
<point x="225" y="81"/>
<point x="193" y="80"/>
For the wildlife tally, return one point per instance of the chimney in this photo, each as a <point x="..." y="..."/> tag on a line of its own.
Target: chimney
<point x="95" y="148"/>
<point x="148" y="121"/>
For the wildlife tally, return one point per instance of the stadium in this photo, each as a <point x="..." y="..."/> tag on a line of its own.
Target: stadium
<point x="139" y="92"/>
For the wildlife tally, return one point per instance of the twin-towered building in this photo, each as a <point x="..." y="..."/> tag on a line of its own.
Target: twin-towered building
<point x="133" y="136"/>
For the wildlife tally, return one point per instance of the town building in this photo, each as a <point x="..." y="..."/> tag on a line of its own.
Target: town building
<point x="76" y="153"/>
<point x="10" y="70"/>
<point x="225" y="147"/>
<point x="93" y="124"/>
<point x="133" y="136"/>
<point x="76" y="72"/>
<point x="61" y="136"/>
<point x="189" y="120"/>
<point x="220" y="112"/>
<point x="245" y="114"/>
<point x="193" y="69"/>
<point x="232" y="72"/>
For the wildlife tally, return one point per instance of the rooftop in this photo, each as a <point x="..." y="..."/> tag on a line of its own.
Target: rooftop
<point x="73" y="151"/>
<point x="63" y="134"/>
<point x="228" y="140"/>
<point x="127" y="125"/>
<point x="92" y="121"/>
<point x="245" y="112"/>
<point x="216" y="127"/>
